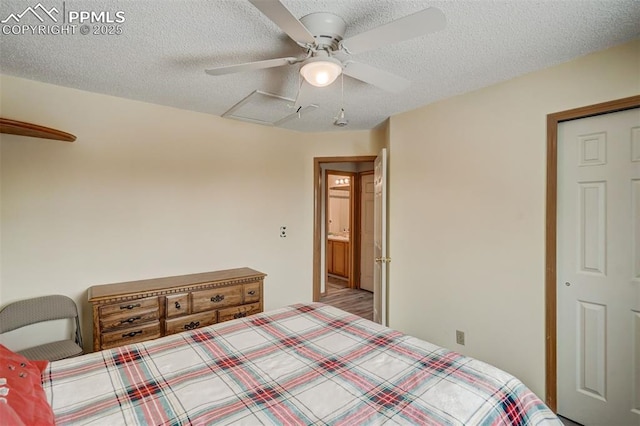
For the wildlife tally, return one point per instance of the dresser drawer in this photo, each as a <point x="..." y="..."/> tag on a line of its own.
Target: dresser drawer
<point x="252" y="293"/>
<point x="189" y="322"/>
<point x="131" y="335"/>
<point x="128" y="319"/>
<point x="129" y="308"/>
<point x="238" y="312"/>
<point x="177" y="304"/>
<point x="206" y="300"/>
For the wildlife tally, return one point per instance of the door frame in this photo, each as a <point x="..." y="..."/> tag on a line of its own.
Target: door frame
<point x="551" y="229"/>
<point x="317" y="211"/>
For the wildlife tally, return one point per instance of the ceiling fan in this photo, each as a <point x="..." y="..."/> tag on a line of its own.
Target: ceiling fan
<point x="321" y="35"/>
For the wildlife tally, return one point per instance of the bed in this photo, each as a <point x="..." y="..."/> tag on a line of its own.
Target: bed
<point x="306" y="364"/>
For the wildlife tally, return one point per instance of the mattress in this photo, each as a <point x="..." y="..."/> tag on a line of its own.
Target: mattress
<point x="308" y="364"/>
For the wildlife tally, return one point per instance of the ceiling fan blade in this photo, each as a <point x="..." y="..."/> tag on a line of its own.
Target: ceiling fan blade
<point x="418" y="24"/>
<point x="281" y="16"/>
<point x="250" y="66"/>
<point x="375" y="76"/>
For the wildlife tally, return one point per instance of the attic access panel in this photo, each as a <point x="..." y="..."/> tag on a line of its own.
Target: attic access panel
<point x="266" y="108"/>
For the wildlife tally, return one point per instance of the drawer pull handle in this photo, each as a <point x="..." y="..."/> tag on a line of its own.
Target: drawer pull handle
<point x="177" y="305"/>
<point x="240" y="315"/>
<point x="132" y="334"/>
<point x="217" y="298"/>
<point x="137" y="305"/>
<point x="130" y="320"/>
<point x="252" y="292"/>
<point x="192" y="325"/>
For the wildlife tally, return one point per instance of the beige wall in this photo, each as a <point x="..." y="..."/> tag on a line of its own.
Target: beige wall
<point x="467" y="203"/>
<point x="149" y="191"/>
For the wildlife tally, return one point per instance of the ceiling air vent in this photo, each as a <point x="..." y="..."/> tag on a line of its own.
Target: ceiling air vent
<point x="267" y="109"/>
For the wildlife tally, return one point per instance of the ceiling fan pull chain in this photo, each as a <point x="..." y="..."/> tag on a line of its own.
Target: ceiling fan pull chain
<point x="340" y="120"/>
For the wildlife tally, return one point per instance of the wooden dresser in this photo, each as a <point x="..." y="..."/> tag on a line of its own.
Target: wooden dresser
<point x="136" y="311"/>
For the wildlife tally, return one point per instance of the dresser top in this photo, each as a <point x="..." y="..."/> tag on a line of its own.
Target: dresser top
<point x="108" y="291"/>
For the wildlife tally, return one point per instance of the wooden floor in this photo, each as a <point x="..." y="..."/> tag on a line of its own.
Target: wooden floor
<point x="567" y="422"/>
<point x="357" y="302"/>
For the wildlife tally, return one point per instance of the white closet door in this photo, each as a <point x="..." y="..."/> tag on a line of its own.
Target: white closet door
<point x="598" y="278"/>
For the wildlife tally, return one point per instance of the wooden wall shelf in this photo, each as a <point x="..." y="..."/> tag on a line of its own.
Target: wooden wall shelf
<point x="21" y="128"/>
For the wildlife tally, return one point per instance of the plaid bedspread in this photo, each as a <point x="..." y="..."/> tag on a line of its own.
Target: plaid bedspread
<point x="304" y="364"/>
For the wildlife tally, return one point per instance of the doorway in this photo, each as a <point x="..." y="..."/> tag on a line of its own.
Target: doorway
<point x="552" y="266"/>
<point x="340" y="217"/>
<point x="338" y="259"/>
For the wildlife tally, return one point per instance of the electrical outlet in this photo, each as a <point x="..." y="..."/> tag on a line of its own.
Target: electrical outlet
<point x="460" y="337"/>
<point x="283" y="232"/>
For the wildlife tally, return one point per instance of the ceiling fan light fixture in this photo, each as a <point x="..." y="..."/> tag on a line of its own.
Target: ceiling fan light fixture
<point x="321" y="71"/>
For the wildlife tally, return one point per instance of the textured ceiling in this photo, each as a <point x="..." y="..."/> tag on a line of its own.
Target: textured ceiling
<point x="165" y="46"/>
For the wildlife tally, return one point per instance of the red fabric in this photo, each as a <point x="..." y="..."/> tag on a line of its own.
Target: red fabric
<point x="25" y="402"/>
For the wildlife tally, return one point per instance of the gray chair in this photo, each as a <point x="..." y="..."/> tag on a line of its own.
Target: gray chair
<point x="40" y="309"/>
